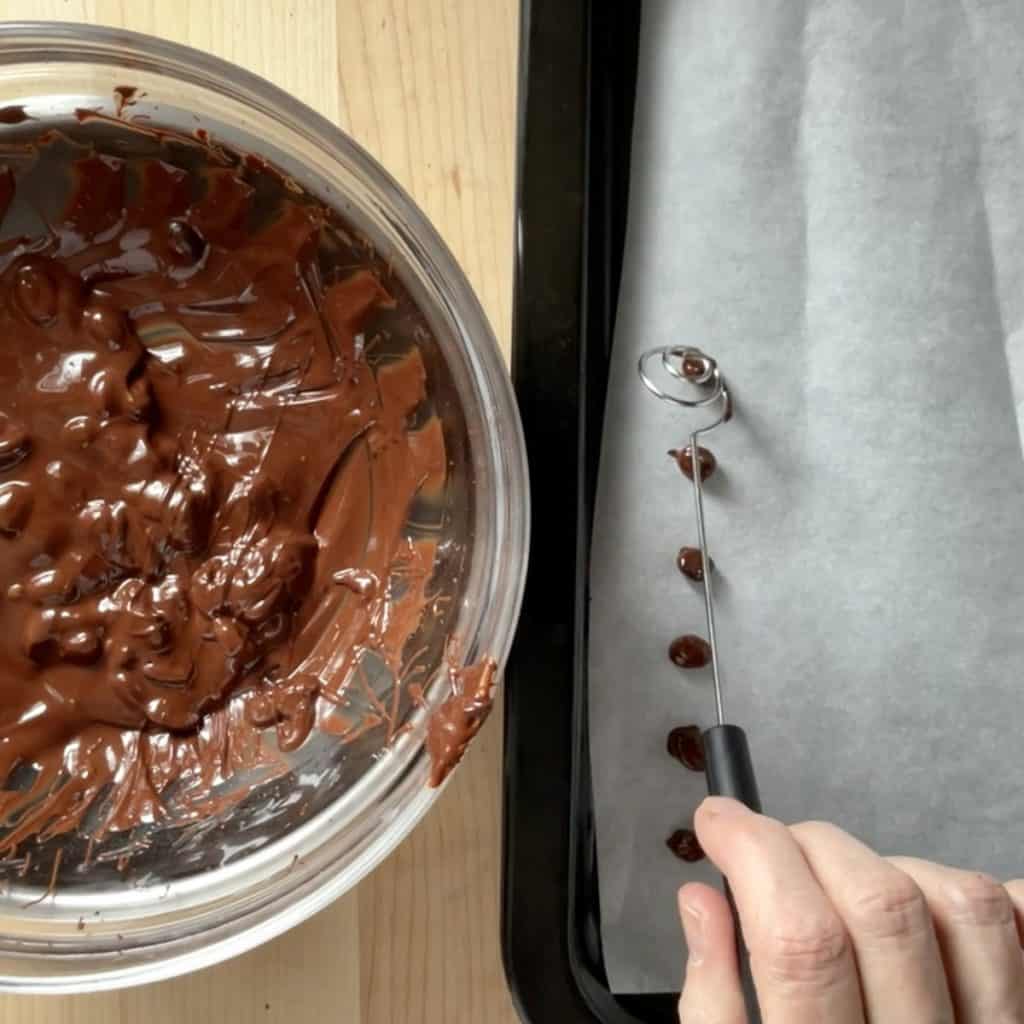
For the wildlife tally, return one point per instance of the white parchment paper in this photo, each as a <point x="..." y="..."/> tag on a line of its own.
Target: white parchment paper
<point x="829" y="198"/>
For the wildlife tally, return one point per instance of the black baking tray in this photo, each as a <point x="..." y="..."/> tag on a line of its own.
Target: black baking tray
<point x="577" y="85"/>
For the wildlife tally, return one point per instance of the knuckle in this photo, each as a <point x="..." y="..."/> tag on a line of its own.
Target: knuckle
<point x="1015" y="888"/>
<point x="815" y="829"/>
<point x="806" y="951"/>
<point x="756" y="832"/>
<point x="1008" y="1015"/>
<point x="976" y="899"/>
<point x="704" y="1008"/>
<point x="1009" y="1010"/>
<point x="816" y="835"/>
<point x="890" y="907"/>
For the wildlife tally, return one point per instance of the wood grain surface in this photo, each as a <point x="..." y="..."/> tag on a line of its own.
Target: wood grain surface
<point x="428" y="87"/>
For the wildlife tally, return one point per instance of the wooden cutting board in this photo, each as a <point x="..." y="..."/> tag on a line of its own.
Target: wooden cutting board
<point x="428" y="87"/>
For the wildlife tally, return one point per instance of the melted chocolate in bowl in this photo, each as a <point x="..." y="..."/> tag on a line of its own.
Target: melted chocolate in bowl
<point x="230" y="507"/>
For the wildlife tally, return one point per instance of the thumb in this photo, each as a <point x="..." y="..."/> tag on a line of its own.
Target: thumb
<point x="711" y="991"/>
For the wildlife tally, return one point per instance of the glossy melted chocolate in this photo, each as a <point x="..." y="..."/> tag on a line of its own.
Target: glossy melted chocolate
<point x="204" y="479"/>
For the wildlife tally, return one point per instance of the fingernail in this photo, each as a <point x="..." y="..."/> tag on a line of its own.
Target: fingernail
<point x="693" y="929"/>
<point x="723" y="807"/>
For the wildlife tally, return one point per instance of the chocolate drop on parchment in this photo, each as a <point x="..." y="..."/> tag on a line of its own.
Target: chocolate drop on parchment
<point x="684" y="457"/>
<point x="689" y="651"/>
<point x="686" y="744"/>
<point x="685" y="845"/>
<point x="691" y="563"/>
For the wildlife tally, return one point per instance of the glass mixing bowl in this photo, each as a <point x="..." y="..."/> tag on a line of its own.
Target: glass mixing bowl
<point x="198" y="895"/>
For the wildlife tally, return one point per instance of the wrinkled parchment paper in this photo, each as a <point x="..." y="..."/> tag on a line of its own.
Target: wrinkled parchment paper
<point x="828" y="197"/>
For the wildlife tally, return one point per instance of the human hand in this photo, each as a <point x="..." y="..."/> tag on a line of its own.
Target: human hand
<point x="839" y="935"/>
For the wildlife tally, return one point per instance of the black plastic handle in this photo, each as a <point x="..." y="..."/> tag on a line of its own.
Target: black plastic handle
<point x="730" y="772"/>
<point x="728" y="767"/>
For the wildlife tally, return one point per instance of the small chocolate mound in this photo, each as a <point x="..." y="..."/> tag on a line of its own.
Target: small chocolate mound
<point x="691" y="563"/>
<point x="686" y="744"/>
<point x="685" y="845"/>
<point x="689" y="651"/>
<point x="684" y="456"/>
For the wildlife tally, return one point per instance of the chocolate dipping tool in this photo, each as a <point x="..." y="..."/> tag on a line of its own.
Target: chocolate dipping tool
<point x="729" y="770"/>
<point x="697" y="383"/>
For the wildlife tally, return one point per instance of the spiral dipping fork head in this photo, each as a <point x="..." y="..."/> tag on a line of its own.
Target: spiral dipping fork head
<point x="684" y="367"/>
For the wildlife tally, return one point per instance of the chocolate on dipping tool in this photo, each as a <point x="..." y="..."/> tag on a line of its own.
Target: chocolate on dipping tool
<point x="693" y="367"/>
<point x="684" y="456"/>
<point x="689" y="651"/>
<point x="686" y="745"/>
<point x="685" y="845"/>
